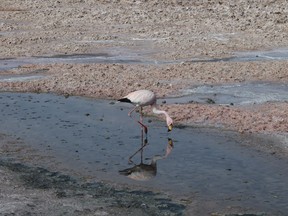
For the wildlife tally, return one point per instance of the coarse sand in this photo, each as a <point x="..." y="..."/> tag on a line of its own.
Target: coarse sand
<point x="167" y="35"/>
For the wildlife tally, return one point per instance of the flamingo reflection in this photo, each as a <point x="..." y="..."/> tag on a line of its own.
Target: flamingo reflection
<point x="142" y="171"/>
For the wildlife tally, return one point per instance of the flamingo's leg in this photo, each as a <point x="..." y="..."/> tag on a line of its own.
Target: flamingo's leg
<point x="141" y="118"/>
<point x="141" y="114"/>
<point x="141" y="121"/>
<point x="132" y="110"/>
<point x="144" y="127"/>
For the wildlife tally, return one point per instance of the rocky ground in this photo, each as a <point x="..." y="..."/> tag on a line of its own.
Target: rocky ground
<point x="172" y="31"/>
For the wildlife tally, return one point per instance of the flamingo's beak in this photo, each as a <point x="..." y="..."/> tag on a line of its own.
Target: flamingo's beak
<point x="170" y="127"/>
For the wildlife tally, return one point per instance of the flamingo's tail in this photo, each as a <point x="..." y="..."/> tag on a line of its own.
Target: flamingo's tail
<point x="126" y="100"/>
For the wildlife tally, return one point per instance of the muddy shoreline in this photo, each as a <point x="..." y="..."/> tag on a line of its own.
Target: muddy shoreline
<point x="26" y="190"/>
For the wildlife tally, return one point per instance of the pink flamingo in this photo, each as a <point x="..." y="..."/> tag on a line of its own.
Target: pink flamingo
<point x="143" y="98"/>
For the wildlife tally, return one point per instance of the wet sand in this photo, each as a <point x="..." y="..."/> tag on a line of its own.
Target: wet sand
<point x="175" y="32"/>
<point x="27" y="190"/>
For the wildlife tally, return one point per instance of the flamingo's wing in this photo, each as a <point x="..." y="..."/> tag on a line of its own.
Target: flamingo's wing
<point x="142" y="97"/>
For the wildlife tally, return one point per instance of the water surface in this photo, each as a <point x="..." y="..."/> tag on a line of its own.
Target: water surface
<point x="126" y="56"/>
<point x="95" y="138"/>
<point x="245" y="93"/>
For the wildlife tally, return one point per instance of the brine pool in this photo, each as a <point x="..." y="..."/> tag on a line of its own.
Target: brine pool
<point x="93" y="139"/>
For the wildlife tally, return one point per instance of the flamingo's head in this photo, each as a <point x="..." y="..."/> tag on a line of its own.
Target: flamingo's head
<point x="169" y="122"/>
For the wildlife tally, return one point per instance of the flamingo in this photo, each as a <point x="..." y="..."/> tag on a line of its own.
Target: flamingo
<point x="142" y="98"/>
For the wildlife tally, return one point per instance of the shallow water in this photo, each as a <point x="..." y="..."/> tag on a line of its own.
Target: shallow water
<point x="95" y="138"/>
<point x="233" y="94"/>
<point x="126" y="56"/>
<point x="19" y="78"/>
<point x="6" y="64"/>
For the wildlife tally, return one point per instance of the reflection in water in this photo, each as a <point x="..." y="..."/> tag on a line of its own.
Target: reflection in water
<point x="142" y="171"/>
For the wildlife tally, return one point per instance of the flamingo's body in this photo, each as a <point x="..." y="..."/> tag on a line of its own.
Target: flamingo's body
<point x="143" y="98"/>
<point x="140" y="98"/>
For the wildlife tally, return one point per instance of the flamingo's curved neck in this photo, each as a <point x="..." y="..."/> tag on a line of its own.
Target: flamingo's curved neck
<point x="157" y="111"/>
<point x="169" y="121"/>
